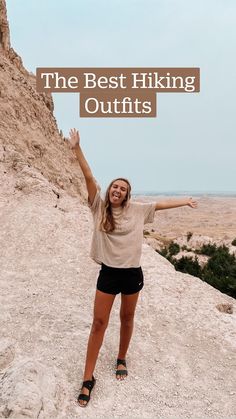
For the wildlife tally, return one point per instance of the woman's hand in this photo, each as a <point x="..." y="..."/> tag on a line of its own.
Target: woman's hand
<point x="191" y="203"/>
<point x="74" y="137"/>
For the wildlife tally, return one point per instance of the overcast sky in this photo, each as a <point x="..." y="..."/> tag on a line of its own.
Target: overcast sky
<point x="191" y="145"/>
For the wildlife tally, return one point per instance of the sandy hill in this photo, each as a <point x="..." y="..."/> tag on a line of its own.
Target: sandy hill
<point x="182" y="357"/>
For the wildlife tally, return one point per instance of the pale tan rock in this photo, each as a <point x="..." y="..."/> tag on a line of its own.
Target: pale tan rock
<point x="29" y="136"/>
<point x="225" y="308"/>
<point x="232" y="250"/>
<point x="202" y="259"/>
<point x="195" y="242"/>
<point x="7" y="353"/>
<point x="31" y="390"/>
<point x="155" y="244"/>
<point x="4" y="28"/>
<point x="48" y="284"/>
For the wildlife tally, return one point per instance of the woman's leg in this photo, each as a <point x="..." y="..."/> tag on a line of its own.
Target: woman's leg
<point x="127" y="310"/>
<point x="102" y="308"/>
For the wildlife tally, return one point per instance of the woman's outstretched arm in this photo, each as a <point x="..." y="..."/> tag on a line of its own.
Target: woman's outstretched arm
<point x="74" y="140"/>
<point x="175" y="203"/>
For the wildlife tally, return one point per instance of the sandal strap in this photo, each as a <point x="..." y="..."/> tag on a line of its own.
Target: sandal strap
<point x="121" y="372"/>
<point x="121" y="362"/>
<point x="88" y="384"/>
<point x="84" y="397"/>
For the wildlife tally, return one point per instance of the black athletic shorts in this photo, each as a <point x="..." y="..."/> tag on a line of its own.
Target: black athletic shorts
<point x="116" y="280"/>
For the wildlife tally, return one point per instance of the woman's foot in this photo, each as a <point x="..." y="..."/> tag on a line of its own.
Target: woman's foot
<point x="121" y="370"/>
<point x="85" y="392"/>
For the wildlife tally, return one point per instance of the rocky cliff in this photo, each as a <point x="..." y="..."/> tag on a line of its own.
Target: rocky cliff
<point x="31" y="146"/>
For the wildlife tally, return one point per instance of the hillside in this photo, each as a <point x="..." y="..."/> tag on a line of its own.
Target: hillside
<point x="182" y="357"/>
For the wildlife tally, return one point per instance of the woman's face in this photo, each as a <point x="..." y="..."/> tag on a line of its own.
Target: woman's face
<point x="118" y="192"/>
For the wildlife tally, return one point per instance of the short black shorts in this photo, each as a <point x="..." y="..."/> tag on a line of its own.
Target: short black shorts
<point x="115" y="280"/>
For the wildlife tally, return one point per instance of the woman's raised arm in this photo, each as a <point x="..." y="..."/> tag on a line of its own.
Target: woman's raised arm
<point x="175" y="203"/>
<point x="74" y="140"/>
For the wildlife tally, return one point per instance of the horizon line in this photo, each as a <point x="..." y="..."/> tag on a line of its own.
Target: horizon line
<point x="186" y="191"/>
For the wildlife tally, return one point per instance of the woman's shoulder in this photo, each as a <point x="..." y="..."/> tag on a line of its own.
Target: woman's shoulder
<point x="141" y="207"/>
<point x="134" y="205"/>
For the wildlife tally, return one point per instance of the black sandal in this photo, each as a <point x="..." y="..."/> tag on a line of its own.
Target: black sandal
<point x="121" y="372"/>
<point x="89" y="384"/>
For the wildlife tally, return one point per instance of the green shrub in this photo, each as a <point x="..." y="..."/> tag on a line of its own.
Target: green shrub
<point x="169" y="251"/>
<point x="234" y="242"/>
<point x="163" y="252"/>
<point x="188" y="265"/>
<point x="220" y="270"/>
<point x="221" y="262"/>
<point x="189" y="235"/>
<point x="173" y="249"/>
<point x="207" y="249"/>
<point x="226" y="284"/>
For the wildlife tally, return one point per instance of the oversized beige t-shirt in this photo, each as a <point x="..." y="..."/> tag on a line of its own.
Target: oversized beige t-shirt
<point x="122" y="247"/>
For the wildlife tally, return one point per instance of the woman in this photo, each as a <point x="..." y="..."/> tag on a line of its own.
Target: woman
<point x="116" y="245"/>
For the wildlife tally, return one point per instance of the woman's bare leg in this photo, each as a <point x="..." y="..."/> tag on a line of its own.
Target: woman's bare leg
<point x="127" y="310"/>
<point x="102" y="307"/>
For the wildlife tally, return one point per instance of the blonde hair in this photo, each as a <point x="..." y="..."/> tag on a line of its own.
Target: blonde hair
<point x="107" y="223"/>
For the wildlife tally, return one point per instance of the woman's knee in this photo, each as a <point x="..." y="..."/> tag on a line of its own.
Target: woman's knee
<point x="99" y="325"/>
<point x="127" y="319"/>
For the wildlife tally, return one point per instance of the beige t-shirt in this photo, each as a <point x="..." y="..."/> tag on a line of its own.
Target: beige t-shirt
<point x="122" y="247"/>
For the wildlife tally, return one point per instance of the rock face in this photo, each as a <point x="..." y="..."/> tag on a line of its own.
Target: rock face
<point x="7" y="353"/>
<point x="30" y="390"/>
<point x="184" y="329"/>
<point x="4" y="28"/>
<point x="5" y="43"/>
<point x="30" y="143"/>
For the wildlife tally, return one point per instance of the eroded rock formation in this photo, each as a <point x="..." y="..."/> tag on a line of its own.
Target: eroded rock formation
<point x="30" y="141"/>
<point x="4" y="28"/>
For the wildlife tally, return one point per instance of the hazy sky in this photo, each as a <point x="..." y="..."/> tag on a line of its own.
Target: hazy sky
<point x="191" y="145"/>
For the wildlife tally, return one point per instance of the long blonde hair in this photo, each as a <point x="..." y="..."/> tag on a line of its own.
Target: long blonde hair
<point x="107" y="223"/>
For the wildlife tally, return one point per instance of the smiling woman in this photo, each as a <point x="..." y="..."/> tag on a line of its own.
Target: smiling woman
<point x="116" y="246"/>
<point x="118" y="191"/>
<point x="117" y="195"/>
